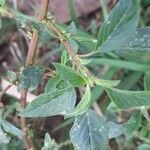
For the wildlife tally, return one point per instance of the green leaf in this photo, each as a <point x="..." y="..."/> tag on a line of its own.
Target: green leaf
<point x="68" y="74"/>
<point x="11" y="76"/>
<point x="115" y="130"/>
<point x="144" y="147"/>
<point x="30" y="77"/>
<point x="72" y="10"/>
<point x="106" y="83"/>
<point x="85" y="41"/>
<point x="138" y="49"/>
<point x="120" y="26"/>
<point x="83" y="105"/>
<point x="120" y="64"/>
<point x="89" y="132"/>
<point x="49" y="144"/>
<point x="147" y="81"/>
<point x="56" y="103"/>
<point x="56" y="83"/>
<point x="9" y="128"/>
<point x="2" y="3"/>
<point x="64" y="55"/>
<point x="129" y="99"/>
<point x="72" y="28"/>
<point x="133" y="124"/>
<point x="73" y="45"/>
<point x="140" y="41"/>
<point x="3" y="137"/>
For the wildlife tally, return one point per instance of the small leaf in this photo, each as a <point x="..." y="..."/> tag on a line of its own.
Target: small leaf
<point x="9" y="128"/>
<point x="11" y="76"/>
<point x="83" y="105"/>
<point x="3" y="136"/>
<point x="72" y="28"/>
<point x="68" y="74"/>
<point x="64" y="55"/>
<point x="30" y="77"/>
<point x="106" y="83"/>
<point x="133" y="124"/>
<point x="129" y="99"/>
<point x="56" y="83"/>
<point x="147" y="81"/>
<point x="49" y="144"/>
<point x="120" y="26"/>
<point x="73" y="45"/>
<point x="115" y="130"/>
<point x="85" y="40"/>
<point x="89" y="132"/>
<point x="56" y="103"/>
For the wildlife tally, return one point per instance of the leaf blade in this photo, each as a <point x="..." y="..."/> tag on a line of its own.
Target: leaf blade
<point x="120" y="26"/>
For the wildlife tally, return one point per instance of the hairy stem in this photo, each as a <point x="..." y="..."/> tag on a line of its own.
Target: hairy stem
<point x="29" y="61"/>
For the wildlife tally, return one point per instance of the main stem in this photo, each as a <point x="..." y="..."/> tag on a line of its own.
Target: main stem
<point x="30" y="61"/>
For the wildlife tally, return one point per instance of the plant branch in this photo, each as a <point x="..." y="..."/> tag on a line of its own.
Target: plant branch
<point x="29" y="61"/>
<point x="35" y="37"/>
<point x="5" y="90"/>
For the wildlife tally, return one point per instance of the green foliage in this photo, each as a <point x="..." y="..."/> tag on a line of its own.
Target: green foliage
<point x="88" y="67"/>
<point x="133" y="124"/>
<point x="56" y="103"/>
<point x="120" y="26"/>
<point x="11" y="76"/>
<point x="2" y="3"/>
<point x="83" y="105"/>
<point x="49" y="144"/>
<point x="70" y="75"/>
<point x="129" y="99"/>
<point x="144" y="147"/>
<point x="89" y="132"/>
<point x="30" y="77"/>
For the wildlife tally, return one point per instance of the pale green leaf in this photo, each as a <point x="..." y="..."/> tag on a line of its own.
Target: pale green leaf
<point x="68" y="74"/>
<point x="30" y="77"/>
<point x="115" y="130"/>
<point x="11" y="76"/>
<point x="83" y="105"/>
<point x="72" y="28"/>
<point x="85" y="40"/>
<point x="144" y="147"/>
<point x="49" y="144"/>
<point x="138" y="49"/>
<point x="106" y="83"/>
<point x="56" y="83"/>
<point x="9" y="128"/>
<point x="120" y="64"/>
<point x="3" y="137"/>
<point x="56" y="103"/>
<point x="120" y="26"/>
<point x="129" y="99"/>
<point x="89" y="132"/>
<point x="73" y="45"/>
<point x="133" y="124"/>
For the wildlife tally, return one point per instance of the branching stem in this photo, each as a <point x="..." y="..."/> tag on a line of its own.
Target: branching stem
<point x="30" y="61"/>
